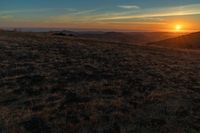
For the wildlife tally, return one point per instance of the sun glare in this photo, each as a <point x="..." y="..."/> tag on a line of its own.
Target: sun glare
<point x="178" y="27"/>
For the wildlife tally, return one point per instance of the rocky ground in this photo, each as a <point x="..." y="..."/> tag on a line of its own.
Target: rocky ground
<point x="52" y="84"/>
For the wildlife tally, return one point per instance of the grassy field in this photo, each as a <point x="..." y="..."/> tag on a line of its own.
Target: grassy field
<point x="52" y="84"/>
<point x="188" y="41"/>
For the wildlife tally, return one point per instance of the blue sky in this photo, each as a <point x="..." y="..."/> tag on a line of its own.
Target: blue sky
<point x="85" y="4"/>
<point x="94" y="14"/>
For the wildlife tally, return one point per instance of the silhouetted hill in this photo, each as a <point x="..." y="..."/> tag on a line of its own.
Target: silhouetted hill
<point x="131" y="37"/>
<point x="125" y="37"/>
<point x="190" y="41"/>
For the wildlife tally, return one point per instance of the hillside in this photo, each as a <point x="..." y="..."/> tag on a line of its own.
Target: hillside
<point x="190" y="41"/>
<point x="59" y="84"/>
<point x="126" y="37"/>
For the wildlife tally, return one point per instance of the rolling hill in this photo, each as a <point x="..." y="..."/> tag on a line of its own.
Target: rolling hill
<point x="125" y="37"/>
<point x="59" y="84"/>
<point x="190" y="41"/>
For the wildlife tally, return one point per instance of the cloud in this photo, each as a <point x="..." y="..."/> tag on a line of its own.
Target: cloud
<point x="129" y="6"/>
<point x="193" y="9"/>
<point x="151" y="15"/>
<point x="41" y="10"/>
<point x="83" y="12"/>
<point x="6" y="17"/>
<point x="138" y="23"/>
<point x="78" y="16"/>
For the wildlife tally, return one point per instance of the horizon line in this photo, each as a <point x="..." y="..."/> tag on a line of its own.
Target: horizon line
<point x="48" y="29"/>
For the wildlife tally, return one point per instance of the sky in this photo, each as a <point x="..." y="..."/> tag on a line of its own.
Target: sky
<point x="133" y="15"/>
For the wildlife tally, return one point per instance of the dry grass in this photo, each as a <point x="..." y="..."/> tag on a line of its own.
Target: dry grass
<point x="66" y="84"/>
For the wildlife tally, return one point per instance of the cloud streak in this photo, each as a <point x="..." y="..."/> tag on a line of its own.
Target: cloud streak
<point x="129" y="6"/>
<point x="152" y="15"/>
<point x="164" y="12"/>
<point x="93" y="15"/>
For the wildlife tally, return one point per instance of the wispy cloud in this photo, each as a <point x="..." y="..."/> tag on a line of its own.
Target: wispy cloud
<point x="5" y="17"/>
<point x="193" y="9"/>
<point x="24" y="11"/>
<point x="84" y="12"/>
<point x="97" y="16"/>
<point x="41" y="10"/>
<point x="78" y="16"/>
<point x="129" y="6"/>
<point x="151" y="15"/>
<point x="137" y="22"/>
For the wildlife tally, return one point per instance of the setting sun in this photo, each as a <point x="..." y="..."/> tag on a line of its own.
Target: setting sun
<point x="178" y="27"/>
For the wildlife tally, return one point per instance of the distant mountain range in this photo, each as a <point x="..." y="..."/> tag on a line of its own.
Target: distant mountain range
<point x="190" y="41"/>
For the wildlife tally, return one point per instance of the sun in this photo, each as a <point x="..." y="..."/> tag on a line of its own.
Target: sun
<point x="178" y="27"/>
